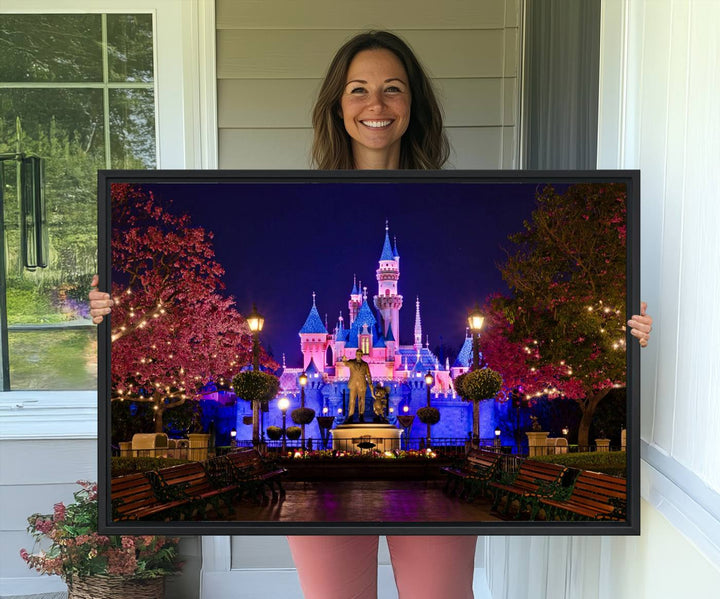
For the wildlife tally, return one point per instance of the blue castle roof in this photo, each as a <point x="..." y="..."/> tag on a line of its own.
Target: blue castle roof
<point x="312" y="368"/>
<point x="427" y="361"/>
<point x="387" y="252"/>
<point x="395" y="251"/>
<point x="313" y="323"/>
<point x="365" y="317"/>
<point x="464" y="358"/>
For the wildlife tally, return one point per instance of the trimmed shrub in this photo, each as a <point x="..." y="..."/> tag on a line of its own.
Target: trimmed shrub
<point x="478" y="385"/>
<point x="293" y="433"/>
<point x="302" y="415"/>
<point x="613" y="463"/>
<point x="254" y="385"/>
<point x="120" y="466"/>
<point x="429" y="415"/>
<point x="274" y="433"/>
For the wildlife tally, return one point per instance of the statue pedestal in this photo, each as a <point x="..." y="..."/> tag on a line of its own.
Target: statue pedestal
<point x="537" y="443"/>
<point x="602" y="445"/>
<point x="348" y="437"/>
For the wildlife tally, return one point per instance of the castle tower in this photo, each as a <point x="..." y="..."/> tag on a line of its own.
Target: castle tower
<point x="387" y="301"/>
<point x="355" y="301"/>
<point x="418" y="326"/>
<point x="314" y="338"/>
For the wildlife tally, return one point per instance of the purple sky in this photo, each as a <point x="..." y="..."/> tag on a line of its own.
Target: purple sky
<point x="279" y="242"/>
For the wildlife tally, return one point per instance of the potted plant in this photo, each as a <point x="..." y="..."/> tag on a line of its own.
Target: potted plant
<point x="94" y="565"/>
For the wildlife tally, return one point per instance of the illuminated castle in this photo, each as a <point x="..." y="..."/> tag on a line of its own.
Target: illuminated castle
<point x="376" y="332"/>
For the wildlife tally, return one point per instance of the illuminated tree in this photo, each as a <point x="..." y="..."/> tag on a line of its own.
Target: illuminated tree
<point x="172" y="329"/>
<point x="567" y="274"/>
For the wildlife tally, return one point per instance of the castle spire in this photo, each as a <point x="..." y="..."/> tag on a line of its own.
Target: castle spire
<point x="418" y="325"/>
<point x="387" y="253"/>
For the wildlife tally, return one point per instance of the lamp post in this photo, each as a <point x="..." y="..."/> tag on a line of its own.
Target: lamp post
<point x="302" y="379"/>
<point x="497" y="438"/>
<point x="233" y="437"/>
<point x="284" y="404"/>
<point x="429" y="380"/>
<point x="255" y="322"/>
<point x="475" y="321"/>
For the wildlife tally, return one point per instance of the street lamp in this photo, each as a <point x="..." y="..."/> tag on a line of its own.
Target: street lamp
<point x="429" y="380"/>
<point x="284" y="404"/>
<point x="565" y="431"/>
<point x="233" y="437"/>
<point x="255" y="322"/>
<point x="497" y="437"/>
<point x="302" y="379"/>
<point x="475" y="321"/>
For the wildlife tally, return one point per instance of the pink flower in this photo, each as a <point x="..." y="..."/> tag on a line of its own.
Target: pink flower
<point x="59" y="512"/>
<point x="128" y="542"/>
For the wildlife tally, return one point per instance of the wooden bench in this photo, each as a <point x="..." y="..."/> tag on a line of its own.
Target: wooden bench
<point x="132" y="498"/>
<point x="190" y="484"/>
<point x="473" y="474"/>
<point x="594" y="496"/>
<point x="533" y="480"/>
<point x="249" y="470"/>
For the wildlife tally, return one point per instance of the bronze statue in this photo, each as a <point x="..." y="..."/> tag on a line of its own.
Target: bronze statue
<point x="380" y="393"/>
<point x="359" y="378"/>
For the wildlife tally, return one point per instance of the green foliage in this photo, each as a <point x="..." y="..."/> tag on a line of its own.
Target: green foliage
<point x="255" y="385"/>
<point x="121" y="466"/>
<point x="478" y="385"/>
<point x="77" y="550"/>
<point x="293" y="432"/>
<point x="274" y="433"/>
<point x="613" y="463"/>
<point x="124" y="424"/>
<point x="302" y="415"/>
<point x="429" y="415"/>
<point x="186" y="417"/>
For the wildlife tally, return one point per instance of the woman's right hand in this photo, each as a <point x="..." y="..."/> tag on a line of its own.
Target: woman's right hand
<point x="100" y="303"/>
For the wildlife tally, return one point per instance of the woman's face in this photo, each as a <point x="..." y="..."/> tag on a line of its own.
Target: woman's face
<point x="375" y="106"/>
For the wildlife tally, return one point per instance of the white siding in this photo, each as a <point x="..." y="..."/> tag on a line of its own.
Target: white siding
<point x="660" y="80"/>
<point x="271" y="58"/>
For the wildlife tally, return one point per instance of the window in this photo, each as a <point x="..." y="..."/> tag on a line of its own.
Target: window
<point x="77" y="90"/>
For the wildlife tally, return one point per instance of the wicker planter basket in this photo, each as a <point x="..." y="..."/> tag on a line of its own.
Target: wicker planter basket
<point x="116" y="587"/>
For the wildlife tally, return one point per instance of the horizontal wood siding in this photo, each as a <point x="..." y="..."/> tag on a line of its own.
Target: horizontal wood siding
<point x="271" y="58"/>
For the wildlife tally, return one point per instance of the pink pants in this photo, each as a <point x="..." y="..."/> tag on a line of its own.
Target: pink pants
<point x="433" y="567"/>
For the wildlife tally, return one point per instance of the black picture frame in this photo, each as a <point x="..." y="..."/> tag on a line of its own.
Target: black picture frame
<point x="630" y="178"/>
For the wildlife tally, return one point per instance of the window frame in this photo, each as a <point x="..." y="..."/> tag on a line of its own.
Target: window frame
<point x="186" y="137"/>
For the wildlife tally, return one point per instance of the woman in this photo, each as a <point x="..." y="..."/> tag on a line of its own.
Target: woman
<point x="377" y="110"/>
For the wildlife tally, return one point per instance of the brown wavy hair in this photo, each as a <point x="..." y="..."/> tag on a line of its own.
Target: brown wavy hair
<point x="423" y="146"/>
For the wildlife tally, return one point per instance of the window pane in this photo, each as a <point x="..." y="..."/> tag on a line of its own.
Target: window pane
<point x="53" y="359"/>
<point x="132" y="128"/>
<point x="50" y="48"/>
<point x="130" y="47"/>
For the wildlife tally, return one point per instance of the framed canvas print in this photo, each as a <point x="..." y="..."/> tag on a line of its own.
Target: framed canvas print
<point x="386" y="352"/>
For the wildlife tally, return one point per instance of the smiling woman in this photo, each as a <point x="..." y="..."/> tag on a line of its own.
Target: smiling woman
<point x="364" y="108"/>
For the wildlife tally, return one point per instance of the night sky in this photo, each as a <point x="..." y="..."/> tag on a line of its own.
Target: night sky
<point x="279" y="242"/>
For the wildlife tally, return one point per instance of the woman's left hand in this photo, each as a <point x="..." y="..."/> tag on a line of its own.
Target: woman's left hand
<point x="641" y="325"/>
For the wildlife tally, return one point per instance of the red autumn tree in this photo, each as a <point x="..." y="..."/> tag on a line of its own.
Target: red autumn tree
<point x="173" y="330"/>
<point x="567" y="274"/>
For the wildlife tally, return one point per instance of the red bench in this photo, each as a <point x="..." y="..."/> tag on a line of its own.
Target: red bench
<point x="594" y="496"/>
<point x="533" y="480"/>
<point x="472" y="475"/>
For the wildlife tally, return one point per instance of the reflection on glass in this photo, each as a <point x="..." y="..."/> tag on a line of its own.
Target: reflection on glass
<point x="51" y="48"/>
<point x="130" y="47"/>
<point x="53" y="359"/>
<point x="132" y="128"/>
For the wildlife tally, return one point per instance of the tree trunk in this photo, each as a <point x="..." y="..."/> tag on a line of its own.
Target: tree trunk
<point x="588" y="412"/>
<point x="256" y="422"/>
<point x="476" y="421"/>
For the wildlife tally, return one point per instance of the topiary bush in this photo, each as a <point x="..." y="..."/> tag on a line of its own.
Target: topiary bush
<point x="293" y="433"/>
<point x="254" y="385"/>
<point x="429" y="415"/>
<point x="274" y="433"/>
<point x="302" y="415"/>
<point x="477" y="385"/>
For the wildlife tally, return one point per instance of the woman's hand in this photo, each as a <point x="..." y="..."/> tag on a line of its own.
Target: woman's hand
<point x="641" y="325"/>
<point x="100" y="303"/>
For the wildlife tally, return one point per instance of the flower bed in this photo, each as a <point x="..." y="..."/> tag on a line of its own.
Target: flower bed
<point x="367" y="465"/>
